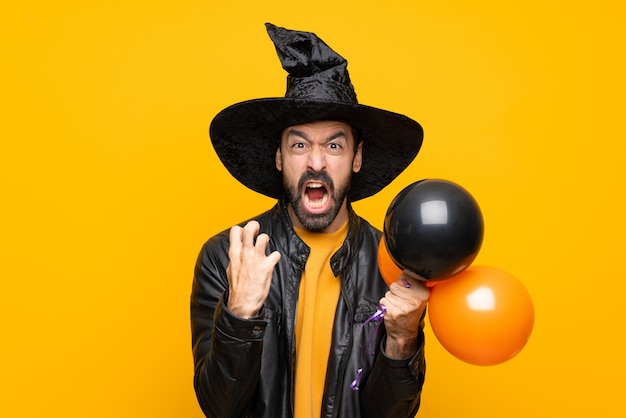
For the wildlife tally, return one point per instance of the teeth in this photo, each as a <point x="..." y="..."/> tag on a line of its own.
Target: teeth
<point x="317" y="204"/>
<point x="315" y="185"/>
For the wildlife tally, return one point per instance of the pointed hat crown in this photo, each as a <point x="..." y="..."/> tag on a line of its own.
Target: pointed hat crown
<point x="315" y="71"/>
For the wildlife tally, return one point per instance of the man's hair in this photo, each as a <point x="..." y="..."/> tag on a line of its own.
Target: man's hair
<point x="358" y="138"/>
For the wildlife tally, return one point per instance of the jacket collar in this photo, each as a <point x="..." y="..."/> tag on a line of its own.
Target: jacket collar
<point x="339" y="260"/>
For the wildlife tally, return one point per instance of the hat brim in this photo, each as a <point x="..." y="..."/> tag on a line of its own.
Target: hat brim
<point x="245" y="137"/>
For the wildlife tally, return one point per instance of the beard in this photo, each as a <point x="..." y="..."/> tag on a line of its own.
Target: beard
<point x="316" y="222"/>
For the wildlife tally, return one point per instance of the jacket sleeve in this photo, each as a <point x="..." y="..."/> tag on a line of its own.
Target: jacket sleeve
<point x="394" y="387"/>
<point x="226" y="349"/>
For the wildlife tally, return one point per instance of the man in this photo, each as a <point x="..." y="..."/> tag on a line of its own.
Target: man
<point x="284" y="306"/>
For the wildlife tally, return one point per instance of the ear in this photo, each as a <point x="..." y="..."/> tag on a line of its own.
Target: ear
<point x="357" y="161"/>
<point x="279" y="159"/>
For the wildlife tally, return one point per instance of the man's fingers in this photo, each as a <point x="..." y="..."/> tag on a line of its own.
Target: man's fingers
<point x="246" y="248"/>
<point x="261" y="242"/>
<point x="423" y="292"/>
<point x="408" y="287"/>
<point x="234" y="250"/>
<point x="274" y="257"/>
<point x="250" y="231"/>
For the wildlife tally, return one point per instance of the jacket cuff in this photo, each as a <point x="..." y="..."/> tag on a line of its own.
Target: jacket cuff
<point x="410" y="367"/>
<point x="251" y="329"/>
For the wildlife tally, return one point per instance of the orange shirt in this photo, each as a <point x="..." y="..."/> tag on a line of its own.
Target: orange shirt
<point x="317" y="301"/>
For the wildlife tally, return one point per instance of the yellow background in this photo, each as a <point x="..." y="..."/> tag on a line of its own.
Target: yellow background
<point x="109" y="184"/>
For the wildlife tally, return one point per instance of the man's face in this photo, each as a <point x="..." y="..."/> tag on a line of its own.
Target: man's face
<point x="317" y="160"/>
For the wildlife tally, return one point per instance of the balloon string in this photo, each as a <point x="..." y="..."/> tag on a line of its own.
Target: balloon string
<point x="377" y="316"/>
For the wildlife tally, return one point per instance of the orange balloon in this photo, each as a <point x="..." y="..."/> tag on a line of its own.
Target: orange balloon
<point x="483" y="316"/>
<point x="388" y="269"/>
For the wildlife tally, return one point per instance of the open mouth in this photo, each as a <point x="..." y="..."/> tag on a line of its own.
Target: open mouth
<point x="316" y="196"/>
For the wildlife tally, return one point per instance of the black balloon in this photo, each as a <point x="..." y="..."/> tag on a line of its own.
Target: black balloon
<point x="433" y="228"/>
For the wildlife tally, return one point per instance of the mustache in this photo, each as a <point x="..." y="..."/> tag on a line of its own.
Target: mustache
<point x="321" y="176"/>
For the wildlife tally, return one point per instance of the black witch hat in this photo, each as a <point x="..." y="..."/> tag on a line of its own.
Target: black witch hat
<point x="245" y="135"/>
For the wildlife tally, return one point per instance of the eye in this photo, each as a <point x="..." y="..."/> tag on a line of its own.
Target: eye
<point x="334" y="147"/>
<point x="298" y="147"/>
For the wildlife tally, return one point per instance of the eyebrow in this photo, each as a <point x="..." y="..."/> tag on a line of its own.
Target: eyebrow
<point x="295" y="132"/>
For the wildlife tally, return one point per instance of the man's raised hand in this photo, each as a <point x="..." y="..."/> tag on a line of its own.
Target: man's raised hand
<point x="250" y="270"/>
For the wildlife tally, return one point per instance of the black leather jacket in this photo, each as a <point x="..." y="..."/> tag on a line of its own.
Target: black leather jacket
<point x="245" y="367"/>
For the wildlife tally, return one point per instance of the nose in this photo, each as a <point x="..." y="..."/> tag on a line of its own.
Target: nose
<point x="317" y="159"/>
